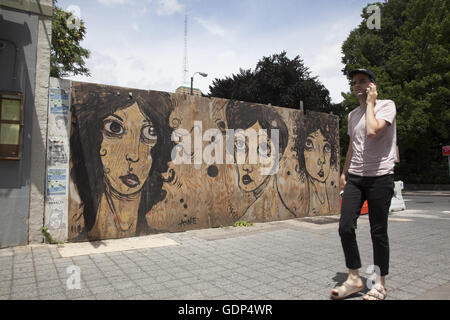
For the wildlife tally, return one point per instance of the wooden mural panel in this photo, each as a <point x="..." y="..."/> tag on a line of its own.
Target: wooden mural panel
<point x="145" y="162"/>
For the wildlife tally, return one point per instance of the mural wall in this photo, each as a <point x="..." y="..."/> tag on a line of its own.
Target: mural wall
<point x="145" y="162"/>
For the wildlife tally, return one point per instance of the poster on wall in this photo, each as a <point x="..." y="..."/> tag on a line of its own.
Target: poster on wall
<point x="59" y="125"/>
<point x="59" y="115"/>
<point x="59" y="102"/>
<point x="56" y="182"/>
<point x="56" y="207"/>
<point x="57" y="152"/>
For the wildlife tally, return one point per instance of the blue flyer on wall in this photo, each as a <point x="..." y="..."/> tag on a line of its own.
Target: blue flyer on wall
<point x="59" y="101"/>
<point x="56" y="182"/>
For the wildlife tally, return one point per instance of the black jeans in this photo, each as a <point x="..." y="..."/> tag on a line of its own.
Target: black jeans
<point x="378" y="192"/>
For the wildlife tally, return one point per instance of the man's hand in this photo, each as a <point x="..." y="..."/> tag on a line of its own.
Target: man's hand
<point x="342" y="182"/>
<point x="372" y="94"/>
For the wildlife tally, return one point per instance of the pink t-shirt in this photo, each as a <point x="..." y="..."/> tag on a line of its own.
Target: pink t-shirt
<point x="374" y="156"/>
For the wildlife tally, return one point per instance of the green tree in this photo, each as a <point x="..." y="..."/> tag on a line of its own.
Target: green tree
<point x="67" y="56"/>
<point x="410" y="56"/>
<point x="277" y="80"/>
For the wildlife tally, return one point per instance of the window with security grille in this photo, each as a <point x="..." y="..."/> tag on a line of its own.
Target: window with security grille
<point x="11" y="124"/>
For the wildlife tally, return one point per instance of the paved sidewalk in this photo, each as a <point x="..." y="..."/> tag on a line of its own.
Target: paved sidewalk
<point x="293" y="259"/>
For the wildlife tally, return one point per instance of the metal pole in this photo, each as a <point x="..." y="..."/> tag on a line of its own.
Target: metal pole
<point x="192" y="85"/>
<point x="448" y="165"/>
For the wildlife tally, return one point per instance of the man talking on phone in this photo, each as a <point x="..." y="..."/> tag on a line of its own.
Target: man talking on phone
<point x="368" y="174"/>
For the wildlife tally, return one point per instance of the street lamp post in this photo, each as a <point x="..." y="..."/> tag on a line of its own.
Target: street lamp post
<point x="192" y="80"/>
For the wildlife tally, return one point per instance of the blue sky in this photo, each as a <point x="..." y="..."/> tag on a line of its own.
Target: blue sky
<point x="140" y="43"/>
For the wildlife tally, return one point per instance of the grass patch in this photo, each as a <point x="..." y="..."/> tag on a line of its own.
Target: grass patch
<point x="48" y="237"/>
<point x="242" y="223"/>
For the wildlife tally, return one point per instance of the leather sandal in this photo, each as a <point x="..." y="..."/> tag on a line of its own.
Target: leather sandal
<point x="378" y="292"/>
<point x="345" y="290"/>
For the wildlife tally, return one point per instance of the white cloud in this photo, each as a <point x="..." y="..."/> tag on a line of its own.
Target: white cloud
<point x="110" y="3"/>
<point x="327" y="65"/>
<point x="133" y="66"/>
<point x="327" y="61"/>
<point x="168" y="7"/>
<point x="139" y="12"/>
<point x="135" y="26"/>
<point x="227" y="56"/>
<point x="212" y="27"/>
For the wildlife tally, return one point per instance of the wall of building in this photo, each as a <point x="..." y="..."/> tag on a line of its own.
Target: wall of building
<point x="146" y="162"/>
<point x="19" y="31"/>
<point x="25" y="31"/>
<point x="39" y="134"/>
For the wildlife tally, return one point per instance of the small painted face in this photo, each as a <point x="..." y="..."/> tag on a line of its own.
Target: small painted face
<point x="128" y="138"/>
<point x="60" y="123"/>
<point x="249" y="174"/>
<point x="317" y="153"/>
<point x="360" y="84"/>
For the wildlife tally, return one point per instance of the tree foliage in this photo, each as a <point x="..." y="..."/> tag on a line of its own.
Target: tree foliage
<point x="410" y="56"/>
<point x="277" y="80"/>
<point x="67" y="56"/>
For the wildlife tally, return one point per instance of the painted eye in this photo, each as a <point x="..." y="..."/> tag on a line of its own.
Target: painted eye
<point x="148" y="134"/>
<point x="264" y="149"/>
<point x="327" y="148"/>
<point x="221" y="125"/>
<point x="113" y="128"/>
<point x="309" y="145"/>
<point x="240" y="144"/>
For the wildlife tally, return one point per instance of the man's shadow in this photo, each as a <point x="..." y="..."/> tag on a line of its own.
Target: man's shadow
<point x="340" y="278"/>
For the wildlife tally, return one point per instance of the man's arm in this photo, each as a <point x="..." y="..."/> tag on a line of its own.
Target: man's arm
<point x="373" y="125"/>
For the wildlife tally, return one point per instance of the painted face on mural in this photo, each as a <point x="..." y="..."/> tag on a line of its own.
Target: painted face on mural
<point x="249" y="174"/>
<point x="317" y="152"/>
<point x="128" y="137"/>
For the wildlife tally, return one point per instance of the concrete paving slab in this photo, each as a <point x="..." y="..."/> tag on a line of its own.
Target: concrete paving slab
<point x="232" y="232"/>
<point x="114" y="245"/>
<point x="439" y="293"/>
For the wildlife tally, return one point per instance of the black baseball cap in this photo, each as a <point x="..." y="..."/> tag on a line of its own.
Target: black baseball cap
<point x="364" y="71"/>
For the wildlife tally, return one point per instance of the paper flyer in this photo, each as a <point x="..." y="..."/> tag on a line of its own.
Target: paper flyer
<point x="56" y="182"/>
<point x="59" y="102"/>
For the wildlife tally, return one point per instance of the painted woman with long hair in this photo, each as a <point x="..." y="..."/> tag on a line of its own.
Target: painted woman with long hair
<point x="317" y="152"/>
<point x="245" y="118"/>
<point x="120" y="147"/>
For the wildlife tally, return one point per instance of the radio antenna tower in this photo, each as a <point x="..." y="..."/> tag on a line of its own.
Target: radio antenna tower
<point x="185" y="59"/>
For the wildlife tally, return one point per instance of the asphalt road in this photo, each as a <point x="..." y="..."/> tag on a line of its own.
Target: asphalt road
<point x="427" y="200"/>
